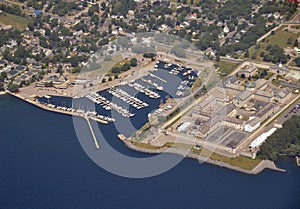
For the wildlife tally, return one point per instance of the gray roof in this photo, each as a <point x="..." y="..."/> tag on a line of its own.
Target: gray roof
<point x="243" y="95"/>
<point x="231" y="79"/>
<point x="226" y="109"/>
<point x="253" y="122"/>
<point x="265" y="110"/>
<point x="282" y="94"/>
<point x="20" y="67"/>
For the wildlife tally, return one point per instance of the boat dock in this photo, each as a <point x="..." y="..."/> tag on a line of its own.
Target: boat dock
<point x="92" y="132"/>
<point x="124" y="96"/>
<point x="159" y="78"/>
<point x="143" y="89"/>
<point x="108" y="105"/>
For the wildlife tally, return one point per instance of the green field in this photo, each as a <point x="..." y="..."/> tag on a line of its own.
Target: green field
<point x="240" y="161"/>
<point x="280" y="38"/>
<point x="225" y="68"/>
<point x="8" y="19"/>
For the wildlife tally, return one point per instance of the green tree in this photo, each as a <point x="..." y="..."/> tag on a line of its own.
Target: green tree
<point x="296" y="43"/>
<point x="297" y="61"/>
<point x="133" y="62"/>
<point x="247" y="54"/>
<point x="13" y="87"/>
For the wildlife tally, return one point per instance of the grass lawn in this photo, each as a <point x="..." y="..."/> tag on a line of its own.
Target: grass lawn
<point x="197" y="84"/>
<point x="280" y="38"/>
<point x="119" y="65"/>
<point x="241" y="161"/>
<point x="269" y="74"/>
<point x="8" y="19"/>
<point x="225" y="68"/>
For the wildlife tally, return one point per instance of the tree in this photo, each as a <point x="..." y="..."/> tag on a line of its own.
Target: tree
<point x="95" y="19"/>
<point x="13" y="87"/>
<point x="3" y="76"/>
<point x="149" y="55"/>
<point x="125" y="67"/>
<point x="133" y="62"/>
<point x="247" y="54"/>
<point x="297" y="61"/>
<point x="289" y="41"/>
<point x="59" y="70"/>
<point x="273" y="33"/>
<point x="296" y="43"/>
<point x="76" y="70"/>
<point x="115" y="70"/>
<point x="284" y="141"/>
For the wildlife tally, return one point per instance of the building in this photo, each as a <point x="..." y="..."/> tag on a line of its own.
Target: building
<point x="282" y="96"/>
<point x="261" y="84"/>
<point x="234" y="123"/>
<point x="242" y="98"/>
<point x="232" y="89"/>
<point x="201" y="115"/>
<point x="280" y="69"/>
<point x="261" y="139"/>
<point x="250" y="86"/>
<point x="183" y="127"/>
<point x="296" y="51"/>
<point x="249" y="70"/>
<point x="267" y="111"/>
<point x="252" y="125"/>
<point x="265" y="96"/>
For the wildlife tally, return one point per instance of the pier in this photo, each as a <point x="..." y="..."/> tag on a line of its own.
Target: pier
<point x="159" y="78"/>
<point x="92" y="132"/>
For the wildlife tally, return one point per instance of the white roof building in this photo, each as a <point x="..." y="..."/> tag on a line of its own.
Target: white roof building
<point x="262" y="138"/>
<point x="184" y="126"/>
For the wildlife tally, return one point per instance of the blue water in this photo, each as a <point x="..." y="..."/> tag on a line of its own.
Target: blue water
<point x="44" y="166"/>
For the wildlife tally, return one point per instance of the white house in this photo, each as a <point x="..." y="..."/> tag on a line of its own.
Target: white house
<point x="226" y="29"/>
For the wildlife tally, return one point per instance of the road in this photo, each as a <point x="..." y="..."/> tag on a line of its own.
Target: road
<point x="13" y="2"/>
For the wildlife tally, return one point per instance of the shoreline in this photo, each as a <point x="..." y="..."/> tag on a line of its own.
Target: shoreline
<point x="264" y="164"/>
<point x="259" y="168"/>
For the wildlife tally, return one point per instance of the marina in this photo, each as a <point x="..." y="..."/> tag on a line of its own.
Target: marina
<point x="108" y="105"/>
<point x="144" y="90"/>
<point x="135" y="102"/>
<point x="75" y="111"/>
<point x="164" y="81"/>
<point x="135" y="99"/>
